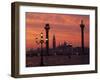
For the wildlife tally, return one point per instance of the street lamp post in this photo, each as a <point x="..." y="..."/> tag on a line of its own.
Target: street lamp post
<point x="41" y="41"/>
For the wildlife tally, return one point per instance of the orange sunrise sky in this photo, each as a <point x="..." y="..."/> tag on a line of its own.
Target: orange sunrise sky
<point x="66" y="27"/>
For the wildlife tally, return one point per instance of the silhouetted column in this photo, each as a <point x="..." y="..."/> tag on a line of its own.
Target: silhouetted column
<point x="47" y="28"/>
<point x="82" y="35"/>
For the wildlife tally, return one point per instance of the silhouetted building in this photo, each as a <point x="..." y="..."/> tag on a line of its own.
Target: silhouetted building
<point x="82" y="35"/>
<point x="54" y="42"/>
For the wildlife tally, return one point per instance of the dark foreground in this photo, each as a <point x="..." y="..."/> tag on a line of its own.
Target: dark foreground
<point x="53" y="60"/>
